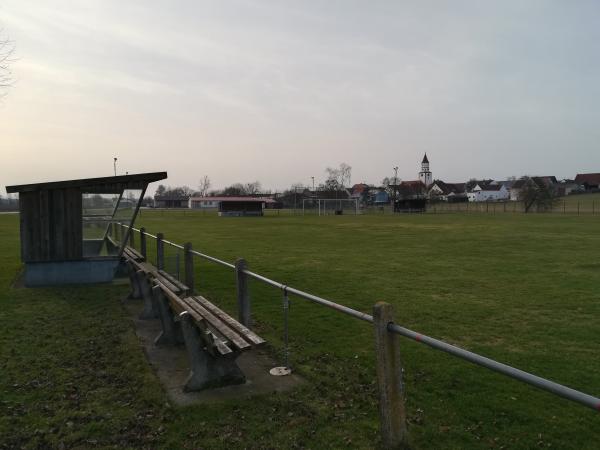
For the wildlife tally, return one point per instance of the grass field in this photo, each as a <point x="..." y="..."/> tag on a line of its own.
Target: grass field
<point x="582" y="204"/>
<point x="523" y="289"/>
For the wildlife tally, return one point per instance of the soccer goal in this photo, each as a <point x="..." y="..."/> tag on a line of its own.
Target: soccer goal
<point x="330" y="206"/>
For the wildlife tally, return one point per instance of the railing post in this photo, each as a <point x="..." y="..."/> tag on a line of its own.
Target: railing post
<point x="188" y="261"/>
<point x="243" y="294"/>
<point x="143" y="249"/>
<point x="389" y="379"/>
<point x="160" y="251"/>
<point x="131" y="238"/>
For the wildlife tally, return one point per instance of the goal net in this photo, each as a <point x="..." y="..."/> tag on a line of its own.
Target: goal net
<point x="331" y="206"/>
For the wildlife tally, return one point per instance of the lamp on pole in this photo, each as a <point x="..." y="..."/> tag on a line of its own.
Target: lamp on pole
<point x="115" y="165"/>
<point x="395" y="187"/>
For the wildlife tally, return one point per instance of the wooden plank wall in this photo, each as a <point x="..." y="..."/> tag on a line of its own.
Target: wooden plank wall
<point x="51" y="225"/>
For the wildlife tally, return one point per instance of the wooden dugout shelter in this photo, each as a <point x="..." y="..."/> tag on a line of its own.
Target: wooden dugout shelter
<point x="67" y="227"/>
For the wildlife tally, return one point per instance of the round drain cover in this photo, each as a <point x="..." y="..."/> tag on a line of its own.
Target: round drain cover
<point x="280" y="371"/>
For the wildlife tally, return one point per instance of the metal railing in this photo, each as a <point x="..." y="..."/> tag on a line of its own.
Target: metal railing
<point x="392" y="328"/>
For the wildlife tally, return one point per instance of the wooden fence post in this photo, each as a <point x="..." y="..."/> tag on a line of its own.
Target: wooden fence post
<point x="243" y="294"/>
<point x="143" y="248"/>
<point x="389" y="379"/>
<point x="160" y="251"/>
<point x="188" y="261"/>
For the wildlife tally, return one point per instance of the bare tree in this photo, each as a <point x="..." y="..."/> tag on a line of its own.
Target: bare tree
<point x="204" y="186"/>
<point x="185" y="191"/>
<point x="7" y="49"/>
<point x="333" y="179"/>
<point x="345" y="172"/>
<point x="536" y="192"/>
<point x="252" y="188"/>
<point x="234" y="190"/>
<point x="339" y="177"/>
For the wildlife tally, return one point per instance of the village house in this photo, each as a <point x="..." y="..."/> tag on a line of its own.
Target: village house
<point x="216" y="201"/>
<point x="233" y="206"/>
<point x="589" y="181"/>
<point x="567" y="187"/>
<point x="171" y="200"/>
<point x="488" y="193"/>
<point x="450" y="192"/>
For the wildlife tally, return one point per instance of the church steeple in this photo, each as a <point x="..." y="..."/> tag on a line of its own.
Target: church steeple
<point x="425" y="175"/>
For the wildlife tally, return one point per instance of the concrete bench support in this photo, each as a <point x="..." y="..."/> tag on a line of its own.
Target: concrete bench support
<point x="206" y="371"/>
<point x="171" y="329"/>
<point x="148" y="312"/>
<point x="136" y="291"/>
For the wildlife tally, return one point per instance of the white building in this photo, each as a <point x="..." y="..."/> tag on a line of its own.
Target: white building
<point x="215" y="202"/>
<point x="425" y="175"/>
<point x="488" y="193"/>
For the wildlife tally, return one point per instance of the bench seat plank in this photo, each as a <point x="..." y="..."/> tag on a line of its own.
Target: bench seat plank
<point x="210" y="339"/>
<point x="167" y="283"/>
<point x="215" y="322"/>
<point x="174" y="281"/>
<point x="133" y="252"/>
<point x="149" y="269"/>
<point x="180" y="306"/>
<point x="250" y="336"/>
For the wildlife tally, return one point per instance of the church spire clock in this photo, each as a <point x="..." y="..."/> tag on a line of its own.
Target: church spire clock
<point x="425" y="175"/>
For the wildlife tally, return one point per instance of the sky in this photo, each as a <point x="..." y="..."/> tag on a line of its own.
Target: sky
<point x="276" y="91"/>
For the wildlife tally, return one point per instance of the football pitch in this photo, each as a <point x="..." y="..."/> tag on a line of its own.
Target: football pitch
<point x="521" y="289"/>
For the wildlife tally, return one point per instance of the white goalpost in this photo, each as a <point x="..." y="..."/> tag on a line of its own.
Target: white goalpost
<point x="331" y="206"/>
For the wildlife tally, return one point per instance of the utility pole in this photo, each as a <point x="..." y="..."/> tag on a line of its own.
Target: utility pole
<point x="295" y="192"/>
<point x="395" y="188"/>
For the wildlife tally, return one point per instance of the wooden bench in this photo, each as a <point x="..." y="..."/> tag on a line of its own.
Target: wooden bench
<point x="213" y="339"/>
<point x="142" y="274"/>
<point x="132" y="253"/>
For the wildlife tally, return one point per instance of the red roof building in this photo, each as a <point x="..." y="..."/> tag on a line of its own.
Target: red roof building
<point x="588" y="180"/>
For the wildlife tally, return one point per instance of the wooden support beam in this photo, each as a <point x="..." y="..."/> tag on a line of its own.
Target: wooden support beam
<point x="389" y="379"/>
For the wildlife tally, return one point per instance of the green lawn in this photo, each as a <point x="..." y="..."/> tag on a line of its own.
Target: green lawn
<point x="523" y="289"/>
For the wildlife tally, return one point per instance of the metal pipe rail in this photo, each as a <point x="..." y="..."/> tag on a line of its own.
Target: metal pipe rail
<point x="512" y="372"/>
<point x="173" y="244"/>
<point x="534" y="380"/>
<point x="213" y="259"/>
<point x="525" y="377"/>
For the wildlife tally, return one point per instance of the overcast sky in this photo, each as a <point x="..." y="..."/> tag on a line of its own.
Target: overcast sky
<point x="276" y="91"/>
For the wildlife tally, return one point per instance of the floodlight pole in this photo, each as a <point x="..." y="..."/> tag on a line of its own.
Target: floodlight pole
<point x="395" y="187"/>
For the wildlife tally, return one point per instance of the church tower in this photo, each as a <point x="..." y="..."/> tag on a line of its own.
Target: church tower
<point x="425" y="175"/>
